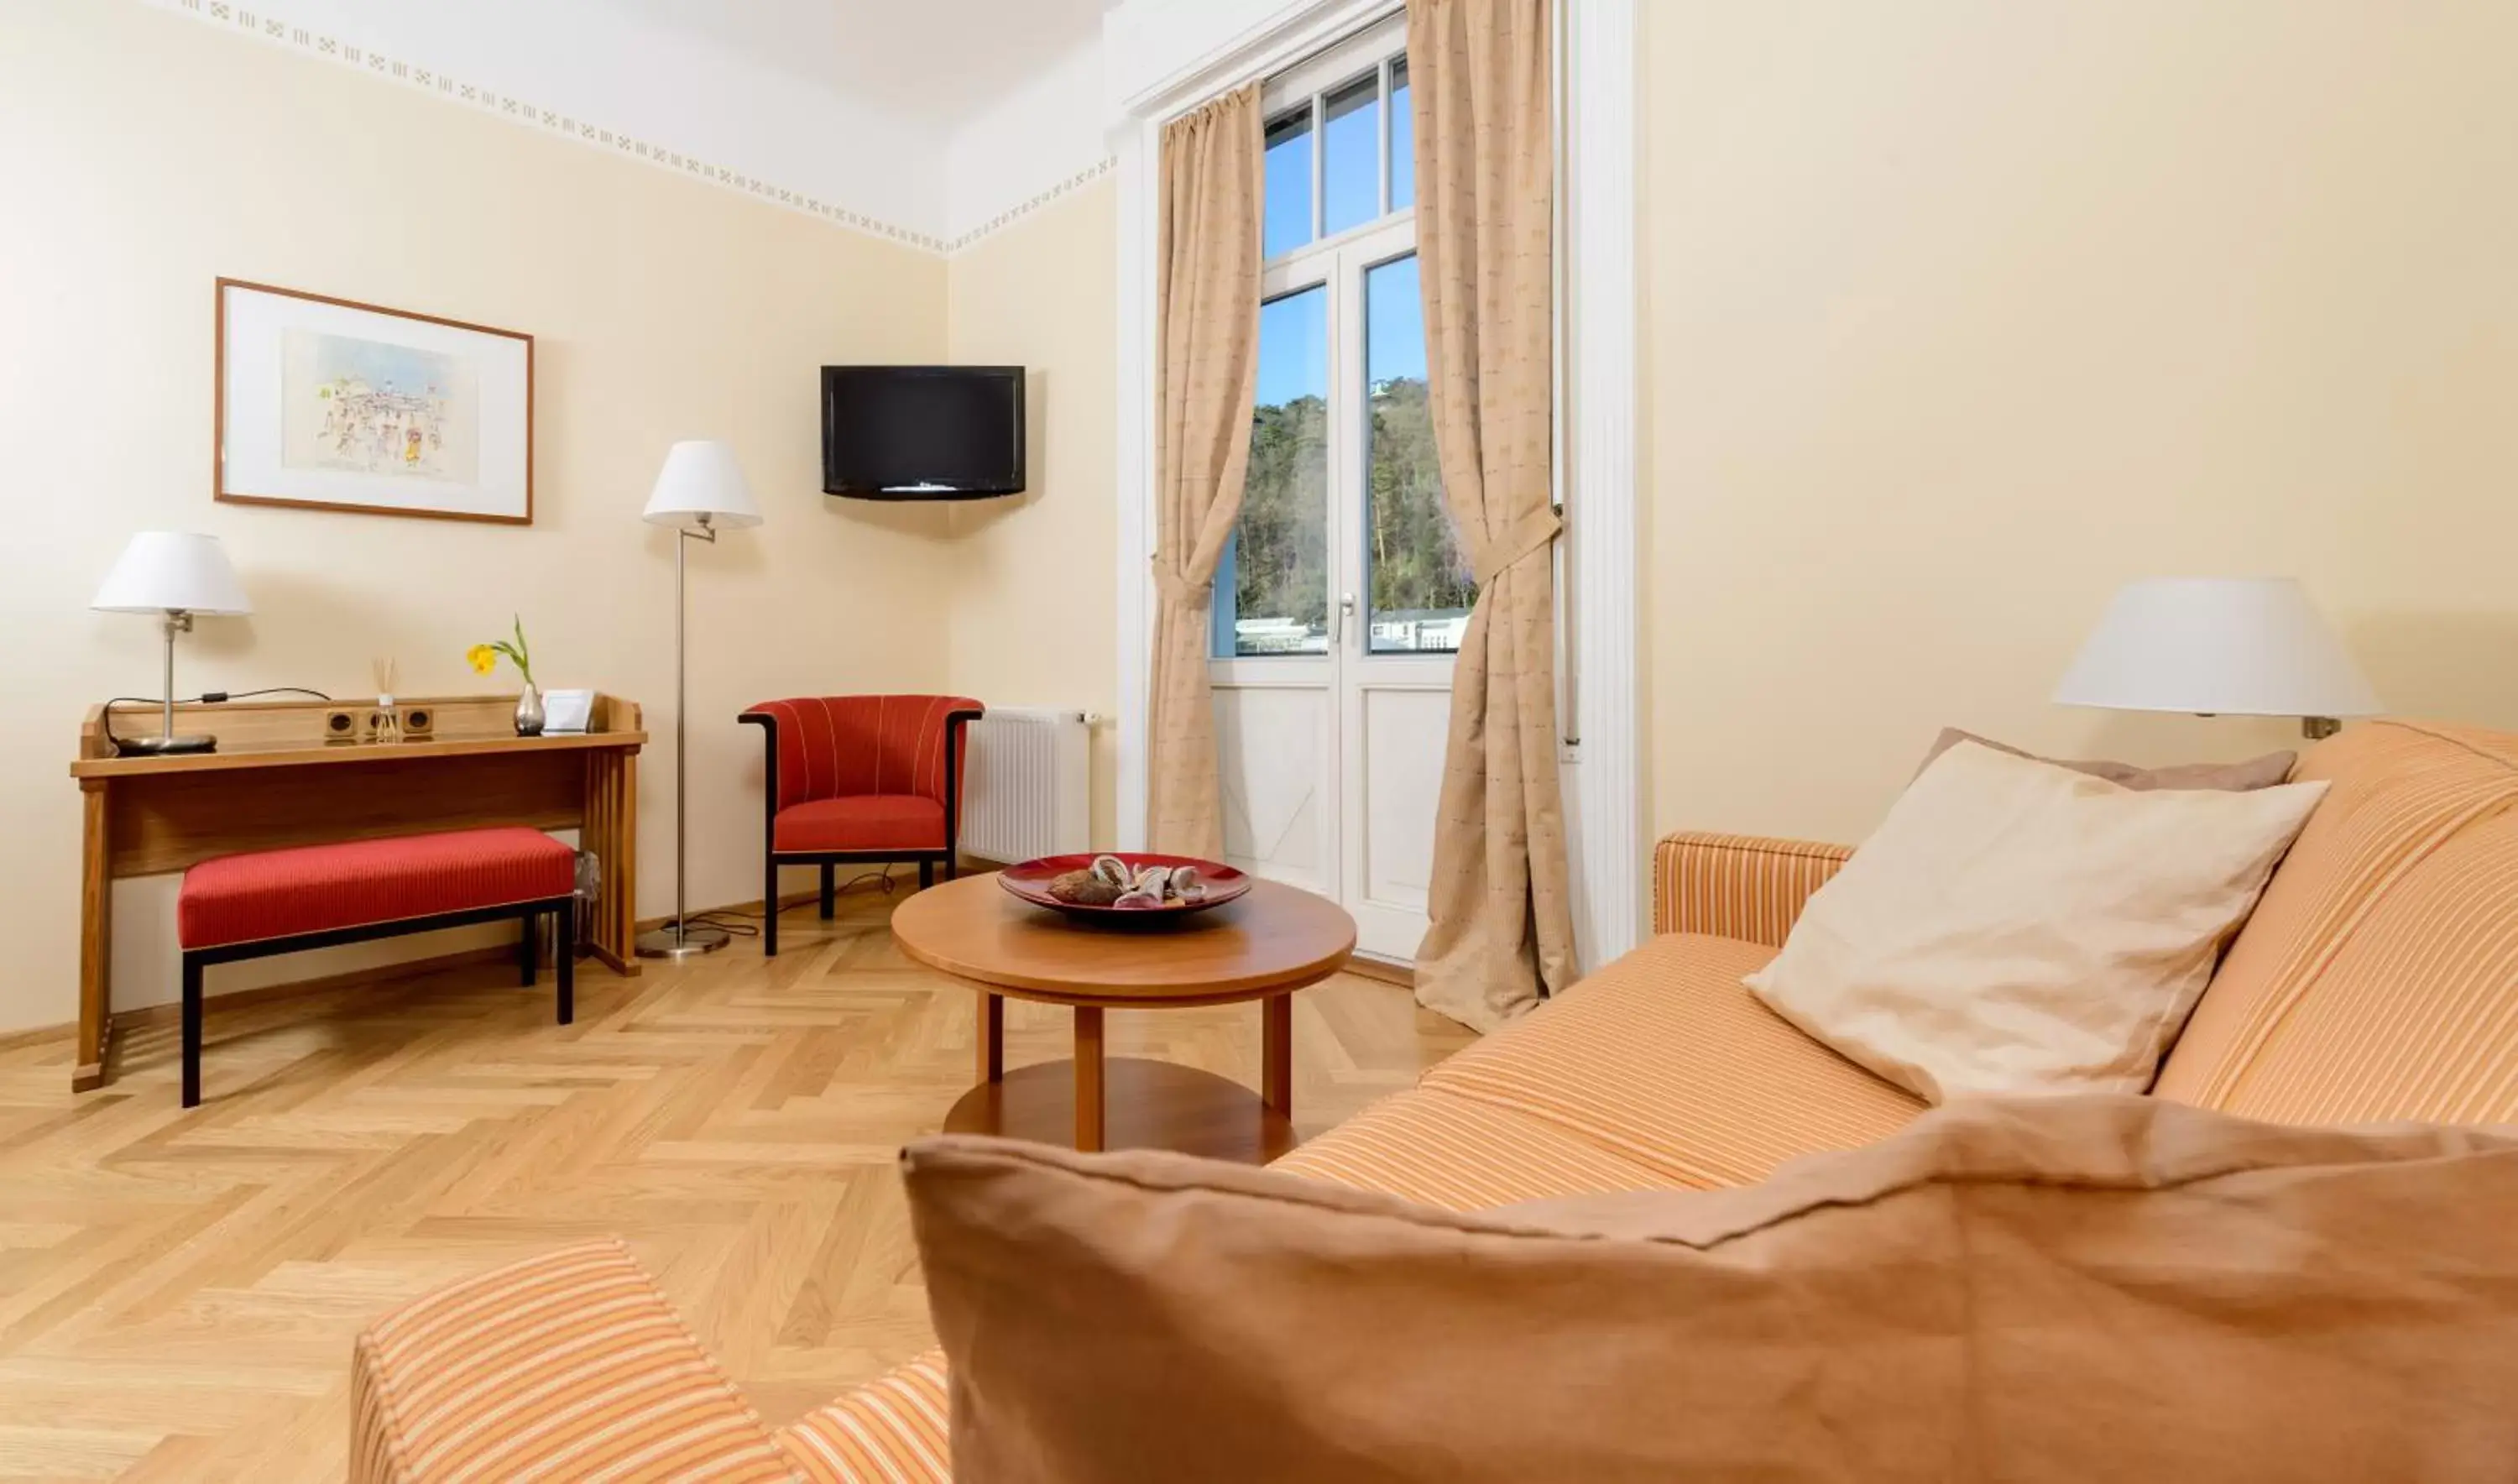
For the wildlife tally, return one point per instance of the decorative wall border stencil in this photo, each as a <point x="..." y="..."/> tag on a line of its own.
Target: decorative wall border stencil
<point x="1017" y="212"/>
<point x="244" y="19"/>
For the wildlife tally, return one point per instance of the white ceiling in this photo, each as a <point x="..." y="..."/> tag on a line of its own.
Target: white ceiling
<point x="935" y="63"/>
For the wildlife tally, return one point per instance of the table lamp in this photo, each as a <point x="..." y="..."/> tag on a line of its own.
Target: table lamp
<point x="2219" y="646"/>
<point x="699" y="493"/>
<point x="177" y="575"/>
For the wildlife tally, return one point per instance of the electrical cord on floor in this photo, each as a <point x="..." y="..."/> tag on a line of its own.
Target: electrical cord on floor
<point x="882" y="878"/>
<point x="744" y="921"/>
<point x="206" y="698"/>
<point x="732" y="921"/>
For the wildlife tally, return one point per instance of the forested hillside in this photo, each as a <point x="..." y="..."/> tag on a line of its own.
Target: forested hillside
<point x="1280" y="567"/>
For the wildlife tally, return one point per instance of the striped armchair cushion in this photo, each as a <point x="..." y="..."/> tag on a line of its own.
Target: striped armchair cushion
<point x="570" y="1366"/>
<point x="892" y="1429"/>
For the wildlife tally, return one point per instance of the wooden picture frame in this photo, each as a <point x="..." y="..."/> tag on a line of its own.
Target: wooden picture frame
<point x="328" y="404"/>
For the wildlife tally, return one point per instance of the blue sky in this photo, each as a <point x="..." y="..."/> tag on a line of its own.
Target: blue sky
<point x="1294" y="332"/>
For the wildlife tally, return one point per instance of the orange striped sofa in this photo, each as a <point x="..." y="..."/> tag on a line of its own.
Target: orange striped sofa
<point x="2377" y="980"/>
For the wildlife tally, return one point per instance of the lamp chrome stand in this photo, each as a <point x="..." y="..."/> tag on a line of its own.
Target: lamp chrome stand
<point x="682" y="938"/>
<point x="166" y="744"/>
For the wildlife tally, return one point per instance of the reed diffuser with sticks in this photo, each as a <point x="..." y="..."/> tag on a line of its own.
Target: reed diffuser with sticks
<point x="387" y="722"/>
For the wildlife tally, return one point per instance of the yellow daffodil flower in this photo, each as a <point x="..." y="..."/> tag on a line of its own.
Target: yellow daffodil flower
<point x="484" y="658"/>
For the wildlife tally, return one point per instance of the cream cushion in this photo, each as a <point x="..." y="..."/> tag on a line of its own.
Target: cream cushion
<point x="2017" y="926"/>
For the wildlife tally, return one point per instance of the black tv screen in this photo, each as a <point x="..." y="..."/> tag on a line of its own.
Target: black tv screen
<point x="922" y="432"/>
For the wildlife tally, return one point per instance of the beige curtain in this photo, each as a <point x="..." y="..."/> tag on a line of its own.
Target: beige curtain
<point x="1206" y="373"/>
<point x="1502" y="932"/>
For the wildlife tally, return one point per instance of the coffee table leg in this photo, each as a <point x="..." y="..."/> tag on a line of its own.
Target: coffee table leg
<point x="1088" y="1078"/>
<point x="992" y="1037"/>
<point x="1276" y="1053"/>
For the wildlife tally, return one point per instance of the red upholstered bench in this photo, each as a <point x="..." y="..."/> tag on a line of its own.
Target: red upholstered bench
<point x="316" y="897"/>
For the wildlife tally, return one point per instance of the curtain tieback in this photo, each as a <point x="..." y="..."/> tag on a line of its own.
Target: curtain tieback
<point x="1178" y="588"/>
<point x="1530" y="534"/>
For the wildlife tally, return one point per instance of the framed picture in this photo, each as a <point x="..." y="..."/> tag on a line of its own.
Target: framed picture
<point x="326" y="404"/>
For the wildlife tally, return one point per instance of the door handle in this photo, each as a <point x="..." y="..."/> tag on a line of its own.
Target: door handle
<point x="1338" y="621"/>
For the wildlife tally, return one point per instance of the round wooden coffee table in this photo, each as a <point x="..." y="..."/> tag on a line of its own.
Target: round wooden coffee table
<point x="1263" y="947"/>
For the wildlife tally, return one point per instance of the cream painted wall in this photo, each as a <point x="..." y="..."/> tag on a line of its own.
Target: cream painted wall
<point x="149" y="154"/>
<point x="1032" y="615"/>
<point x="1963" y="312"/>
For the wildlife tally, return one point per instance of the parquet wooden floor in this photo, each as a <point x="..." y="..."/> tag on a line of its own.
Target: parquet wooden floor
<point x="178" y="1290"/>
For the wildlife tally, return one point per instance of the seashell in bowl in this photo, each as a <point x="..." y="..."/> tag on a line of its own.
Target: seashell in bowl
<point x="1084" y="889"/>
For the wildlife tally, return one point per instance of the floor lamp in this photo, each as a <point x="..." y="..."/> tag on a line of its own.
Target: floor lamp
<point x="700" y="493"/>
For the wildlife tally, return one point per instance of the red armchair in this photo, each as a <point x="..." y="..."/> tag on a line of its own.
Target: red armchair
<point x="859" y="778"/>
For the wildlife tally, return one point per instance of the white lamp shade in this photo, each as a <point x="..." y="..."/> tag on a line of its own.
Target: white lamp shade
<point x="701" y="479"/>
<point x="2217" y="646"/>
<point x="172" y="571"/>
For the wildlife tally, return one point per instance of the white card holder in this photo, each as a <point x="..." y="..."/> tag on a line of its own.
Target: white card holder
<point x="567" y="711"/>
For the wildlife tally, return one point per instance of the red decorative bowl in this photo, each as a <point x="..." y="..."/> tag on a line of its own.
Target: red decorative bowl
<point x="1030" y="882"/>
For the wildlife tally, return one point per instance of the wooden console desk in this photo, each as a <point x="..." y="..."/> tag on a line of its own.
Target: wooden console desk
<point x="275" y="782"/>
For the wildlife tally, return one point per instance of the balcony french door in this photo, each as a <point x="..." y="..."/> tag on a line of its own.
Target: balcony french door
<point x="1343" y="596"/>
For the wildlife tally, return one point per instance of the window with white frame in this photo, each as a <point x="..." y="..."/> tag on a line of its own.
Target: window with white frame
<point x="1343" y="503"/>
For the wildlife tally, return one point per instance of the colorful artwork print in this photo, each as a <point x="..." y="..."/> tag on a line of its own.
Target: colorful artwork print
<point x="368" y="407"/>
<point x="326" y="404"/>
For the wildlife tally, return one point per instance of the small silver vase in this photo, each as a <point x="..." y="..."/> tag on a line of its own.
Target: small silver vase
<point x="529" y="713"/>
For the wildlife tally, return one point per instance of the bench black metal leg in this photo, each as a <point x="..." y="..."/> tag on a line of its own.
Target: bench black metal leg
<point x="564" y="943"/>
<point x="926" y="874"/>
<point x="769" y="907"/>
<point x="830" y="889"/>
<point x="527" y="949"/>
<point x="192" y="1031"/>
<point x="953" y="866"/>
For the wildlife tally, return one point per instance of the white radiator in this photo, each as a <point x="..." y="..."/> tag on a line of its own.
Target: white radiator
<point x="1030" y="786"/>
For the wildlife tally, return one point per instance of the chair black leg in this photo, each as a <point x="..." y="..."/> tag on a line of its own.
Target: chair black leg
<point x="528" y="949"/>
<point x="192" y="1031"/>
<point x="953" y="866"/>
<point x="926" y="874"/>
<point x="564" y="945"/>
<point x="830" y="890"/>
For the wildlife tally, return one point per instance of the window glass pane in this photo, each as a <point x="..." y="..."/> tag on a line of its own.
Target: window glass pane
<point x="1351" y="169"/>
<point x="1418" y="578"/>
<point x="1274" y="598"/>
<point x="1287" y="185"/>
<point x="1403" y="141"/>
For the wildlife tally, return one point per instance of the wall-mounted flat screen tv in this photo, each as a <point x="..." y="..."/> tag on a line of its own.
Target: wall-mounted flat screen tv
<point x="922" y="432"/>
